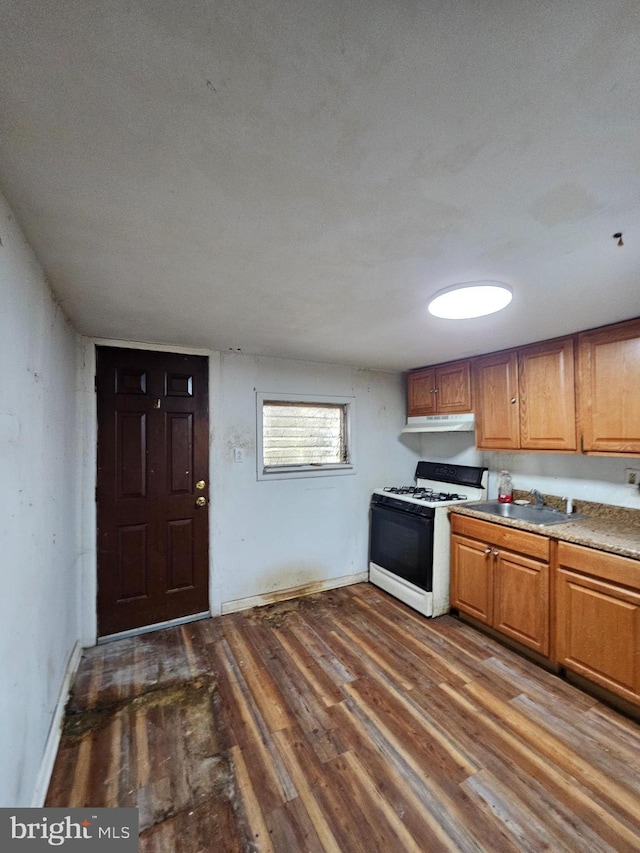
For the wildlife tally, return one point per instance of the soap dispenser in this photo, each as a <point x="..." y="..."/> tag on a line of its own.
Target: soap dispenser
<point x="505" y="488"/>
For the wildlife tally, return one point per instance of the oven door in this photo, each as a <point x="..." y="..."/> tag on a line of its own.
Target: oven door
<point x="401" y="541"/>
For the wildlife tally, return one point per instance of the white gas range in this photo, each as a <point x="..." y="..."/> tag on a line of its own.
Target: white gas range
<point x="409" y="534"/>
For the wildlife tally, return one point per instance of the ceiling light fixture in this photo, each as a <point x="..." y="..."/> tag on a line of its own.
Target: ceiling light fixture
<point x="471" y="299"/>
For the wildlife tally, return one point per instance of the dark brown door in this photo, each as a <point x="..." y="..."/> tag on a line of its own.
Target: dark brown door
<point x="153" y="470"/>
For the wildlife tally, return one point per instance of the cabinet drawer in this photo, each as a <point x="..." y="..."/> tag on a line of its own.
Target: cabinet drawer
<point x="610" y="567"/>
<point x="501" y="536"/>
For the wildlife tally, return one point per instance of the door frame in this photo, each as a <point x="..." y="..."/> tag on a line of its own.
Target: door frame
<point x="88" y="469"/>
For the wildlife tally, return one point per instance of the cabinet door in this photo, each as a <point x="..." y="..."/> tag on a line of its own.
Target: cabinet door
<point x="472" y="578"/>
<point x="598" y="632"/>
<point x="547" y="396"/>
<point x="609" y="383"/>
<point x="521" y="603"/>
<point x="421" y="392"/>
<point x="496" y="401"/>
<point x="453" y="388"/>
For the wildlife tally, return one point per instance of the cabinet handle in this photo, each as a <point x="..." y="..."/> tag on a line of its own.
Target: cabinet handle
<point x="496" y="553"/>
<point x="513" y="399"/>
<point x="487" y="551"/>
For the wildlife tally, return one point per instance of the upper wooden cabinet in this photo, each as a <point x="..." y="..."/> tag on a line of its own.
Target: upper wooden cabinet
<point x="495" y="391"/>
<point x="544" y="396"/>
<point x="525" y="398"/>
<point x="546" y="383"/>
<point x="444" y="389"/>
<point x="609" y="388"/>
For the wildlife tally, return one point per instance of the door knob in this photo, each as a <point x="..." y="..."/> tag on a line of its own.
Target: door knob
<point x="201" y="484"/>
<point x="201" y="501"/>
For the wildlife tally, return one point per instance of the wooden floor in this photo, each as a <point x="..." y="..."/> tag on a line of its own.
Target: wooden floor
<point x="344" y="721"/>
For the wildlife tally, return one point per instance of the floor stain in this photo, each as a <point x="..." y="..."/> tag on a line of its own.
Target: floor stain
<point x="79" y="723"/>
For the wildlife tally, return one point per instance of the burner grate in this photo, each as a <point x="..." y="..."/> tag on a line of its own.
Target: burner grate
<point x="424" y="494"/>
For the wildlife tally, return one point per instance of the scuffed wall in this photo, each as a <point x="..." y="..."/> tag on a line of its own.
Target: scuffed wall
<point x="38" y="511"/>
<point x="269" y="536"/>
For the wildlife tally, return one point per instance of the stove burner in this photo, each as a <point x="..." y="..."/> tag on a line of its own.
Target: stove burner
<point x="424" y="494"/>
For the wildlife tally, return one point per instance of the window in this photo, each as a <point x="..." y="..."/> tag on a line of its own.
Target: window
<point x="303" y="436"/>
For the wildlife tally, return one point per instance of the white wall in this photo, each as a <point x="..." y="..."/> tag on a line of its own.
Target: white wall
<point x="591" y="478"/>
<point x="458" y="447"/>
<point x="269" y="536"/>
<point x="38" y="511"/>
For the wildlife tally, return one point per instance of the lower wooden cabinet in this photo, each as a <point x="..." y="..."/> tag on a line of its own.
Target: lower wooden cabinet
<point x="521" y="600"/>
<point x="500" y="576"/>
<point x="598" y="618"/>
<point x="471" y="575"/>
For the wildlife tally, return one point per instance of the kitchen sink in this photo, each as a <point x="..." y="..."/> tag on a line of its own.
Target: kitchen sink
<point x="531" y="513"/>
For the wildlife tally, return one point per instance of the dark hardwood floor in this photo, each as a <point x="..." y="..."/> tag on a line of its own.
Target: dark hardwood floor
<point x="344" y="721"/>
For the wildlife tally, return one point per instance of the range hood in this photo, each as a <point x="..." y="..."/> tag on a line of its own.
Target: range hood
<point x="441" y="423"/>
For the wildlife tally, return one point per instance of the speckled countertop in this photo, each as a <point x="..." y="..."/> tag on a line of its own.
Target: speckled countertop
<point x="608" y="528"/>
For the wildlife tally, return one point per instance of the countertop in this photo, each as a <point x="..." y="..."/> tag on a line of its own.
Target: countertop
<point x="605" y="527"/>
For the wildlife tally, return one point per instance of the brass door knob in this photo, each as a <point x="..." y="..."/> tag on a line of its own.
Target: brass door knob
<point x="201" y="501"/>
<point x="201" y="484"/>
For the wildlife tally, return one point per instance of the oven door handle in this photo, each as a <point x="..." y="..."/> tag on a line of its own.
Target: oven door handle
<point x="419" y="516"/>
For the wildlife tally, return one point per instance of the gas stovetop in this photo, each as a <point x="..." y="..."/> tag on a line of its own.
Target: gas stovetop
<point x="441" y="484"/>
<point x="425" y="493"/>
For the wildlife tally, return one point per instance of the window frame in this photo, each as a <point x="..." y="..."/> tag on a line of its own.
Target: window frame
<point x="290" y="472"/>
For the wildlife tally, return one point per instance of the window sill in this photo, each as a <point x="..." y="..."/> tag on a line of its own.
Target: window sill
<point x="291" y="472"/>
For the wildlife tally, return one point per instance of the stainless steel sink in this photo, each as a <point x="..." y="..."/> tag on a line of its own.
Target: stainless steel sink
<point x="531" y="513"/>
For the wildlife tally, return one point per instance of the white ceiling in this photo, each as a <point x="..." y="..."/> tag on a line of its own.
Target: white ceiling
<point x="295" y="178"/>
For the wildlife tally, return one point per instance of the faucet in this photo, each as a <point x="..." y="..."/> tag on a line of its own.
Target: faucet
<point x="539" y="499"/>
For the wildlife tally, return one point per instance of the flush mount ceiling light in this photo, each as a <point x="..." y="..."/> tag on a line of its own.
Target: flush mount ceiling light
<point x="471" y="299"/>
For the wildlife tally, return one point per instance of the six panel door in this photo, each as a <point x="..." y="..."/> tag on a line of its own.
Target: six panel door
<point x="152" y="488"/>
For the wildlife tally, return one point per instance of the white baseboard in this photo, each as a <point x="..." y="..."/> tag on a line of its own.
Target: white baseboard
<point x="293" y="592"/>
<point x="55" y="731"/>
